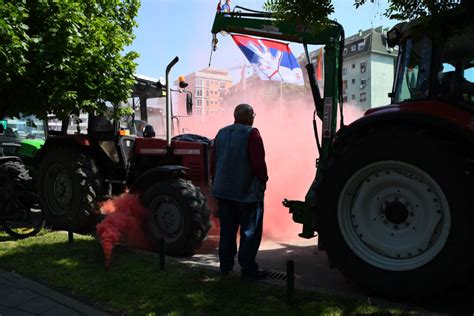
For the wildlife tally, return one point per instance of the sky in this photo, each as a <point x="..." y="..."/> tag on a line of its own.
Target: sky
<point x="169" y="28"/>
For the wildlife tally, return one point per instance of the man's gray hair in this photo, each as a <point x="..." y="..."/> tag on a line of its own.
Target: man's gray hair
<point x="242" y="111"/>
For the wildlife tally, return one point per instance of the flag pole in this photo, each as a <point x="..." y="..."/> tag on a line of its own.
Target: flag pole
<point x="281" y="100"/>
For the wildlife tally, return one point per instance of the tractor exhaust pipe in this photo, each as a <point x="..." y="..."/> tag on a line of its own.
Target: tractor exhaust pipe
<point x="169" y="124"/>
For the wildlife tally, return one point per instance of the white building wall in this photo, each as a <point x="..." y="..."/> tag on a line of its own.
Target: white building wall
<point x="353" y="77"/>
<point x="381" y="74"/>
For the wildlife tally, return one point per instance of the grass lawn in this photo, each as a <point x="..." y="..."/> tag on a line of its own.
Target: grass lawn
<point x="134" y="285"/>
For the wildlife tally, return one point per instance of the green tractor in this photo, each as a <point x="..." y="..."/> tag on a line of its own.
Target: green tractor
<point x="392" y="195"/>
<point x="20" y="213"/>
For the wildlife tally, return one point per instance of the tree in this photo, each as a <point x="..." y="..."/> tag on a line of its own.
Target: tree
<point x="316" y="12"/>
<point x="305" y="12"/>
<point x="411" y="9"/>
<point x="66" y="56"/>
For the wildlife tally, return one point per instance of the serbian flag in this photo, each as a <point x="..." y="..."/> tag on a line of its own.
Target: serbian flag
<point x="271" y="60"/>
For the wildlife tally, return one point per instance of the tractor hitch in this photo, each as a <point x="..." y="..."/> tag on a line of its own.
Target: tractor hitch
<point x="296" y="208"/>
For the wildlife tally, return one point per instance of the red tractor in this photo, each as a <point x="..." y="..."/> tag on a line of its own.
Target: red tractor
<point x="79" y="169"/>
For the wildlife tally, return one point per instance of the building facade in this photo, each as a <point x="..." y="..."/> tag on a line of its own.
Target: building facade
<point x="209" y="87"/>
<point x="368" y="68"/>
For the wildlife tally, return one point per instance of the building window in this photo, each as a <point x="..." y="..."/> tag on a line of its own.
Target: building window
<point x="207" y="83"/>
<point x="198" y="82"/>
<point x="363" y="97"/>
<point x="363" y="83"/>
<point x="353" y="97"/>
<point x="199" y="112"/>
<point x="344" y="99"/>
<point x="344" y="52"/>
<point x="207" y="102"/>
<point x="221" y="103"/>
<point x="222" y="85"/>
<point x="198" y="92"/>
<point x="344" y="86"/>
<point x="353" y="48"/>
<point x="207" y="93"/>
<point x="363" y="66"/>
<point x="361" y="46"/>
<point x="344" y="71"/>
<point x="353" y="81"/>
<point x="221" y="94"/>
<point x="198" y="103"/>
<point x="353" y="66"/>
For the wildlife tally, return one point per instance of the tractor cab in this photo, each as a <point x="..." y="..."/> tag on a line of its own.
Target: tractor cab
<point x="434" y="65"/>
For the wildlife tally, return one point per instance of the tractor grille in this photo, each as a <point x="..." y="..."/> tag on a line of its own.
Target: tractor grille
<point x="276" y="275"/>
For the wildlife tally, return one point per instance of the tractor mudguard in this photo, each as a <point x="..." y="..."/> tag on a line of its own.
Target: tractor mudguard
<point x="60" y="141"/>
<point x="151" y="176"/>
<point x="459" y="125"/>
<point x="4" y="159"/>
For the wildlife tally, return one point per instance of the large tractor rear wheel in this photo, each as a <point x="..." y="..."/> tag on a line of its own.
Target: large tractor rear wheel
<point x="178" y="214"/>
<point x="394" y="212"/>
<point x="67" y="189"/>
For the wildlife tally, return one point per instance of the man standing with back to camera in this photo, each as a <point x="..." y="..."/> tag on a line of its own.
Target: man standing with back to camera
<point x="240" y="177"/>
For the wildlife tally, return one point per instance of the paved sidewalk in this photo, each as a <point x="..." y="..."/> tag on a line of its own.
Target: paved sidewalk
<point x="21" y="296"/>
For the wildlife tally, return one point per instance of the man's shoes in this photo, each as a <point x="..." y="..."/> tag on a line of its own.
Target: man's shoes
<point x="255" y="276"/>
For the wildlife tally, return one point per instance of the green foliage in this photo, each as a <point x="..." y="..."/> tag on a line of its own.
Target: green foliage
<point x="411" y="9"/>
<point x="65" y="56"/>
<point x="313" y="13"/>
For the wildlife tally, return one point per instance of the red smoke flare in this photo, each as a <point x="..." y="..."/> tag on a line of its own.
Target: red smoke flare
<point x="125" y="222"/>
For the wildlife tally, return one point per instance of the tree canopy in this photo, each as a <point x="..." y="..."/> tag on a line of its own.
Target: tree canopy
<point x="65" y="56"/>
<point x="316" y="12"/>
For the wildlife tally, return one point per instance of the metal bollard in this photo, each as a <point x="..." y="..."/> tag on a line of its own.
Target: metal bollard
<point x="290" y="280"/>
<point x="161" y="246"/>
<point x="70" y="233"/>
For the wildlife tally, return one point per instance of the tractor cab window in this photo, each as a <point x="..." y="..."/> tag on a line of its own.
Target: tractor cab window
<point x="455" y="77"/>
<point x="413" y="79"/>
<point x="155" y="116"/>
<point x="23" y="127"/>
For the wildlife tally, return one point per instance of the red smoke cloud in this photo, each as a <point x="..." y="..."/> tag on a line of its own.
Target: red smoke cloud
<point x="290" y="148"/>
<point x="125" y="222"/>
<point x="291" y="155"/>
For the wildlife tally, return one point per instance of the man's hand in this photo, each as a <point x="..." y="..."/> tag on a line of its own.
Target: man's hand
<point x="268" y="64"/>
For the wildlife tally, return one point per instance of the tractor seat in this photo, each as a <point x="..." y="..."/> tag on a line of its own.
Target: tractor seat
<point x="149" y="132"/>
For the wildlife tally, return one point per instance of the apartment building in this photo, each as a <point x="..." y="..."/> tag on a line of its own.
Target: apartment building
<point x="368" y="68"/>
<point x="209" y="87"/>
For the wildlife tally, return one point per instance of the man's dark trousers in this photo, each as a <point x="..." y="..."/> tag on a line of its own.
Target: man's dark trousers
<point x="249" y="216"/>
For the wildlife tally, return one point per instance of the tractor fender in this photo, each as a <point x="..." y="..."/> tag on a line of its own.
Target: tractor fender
<point x="4" y="159"/>
<point x="417" y="120"/>
<point x="60" y="141"/>
<point x="153" y="175"/>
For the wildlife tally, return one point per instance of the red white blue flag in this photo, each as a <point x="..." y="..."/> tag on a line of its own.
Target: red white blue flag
<point x="271" y="60"/>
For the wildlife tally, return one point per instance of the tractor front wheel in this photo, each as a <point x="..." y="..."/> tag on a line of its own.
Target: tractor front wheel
<point x="21" y="215"/>
<point x="177" y="213"/>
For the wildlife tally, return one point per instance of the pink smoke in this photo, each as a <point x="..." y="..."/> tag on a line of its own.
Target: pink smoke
<point x="125" y="222"/>
<point x="290" y="148"/>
